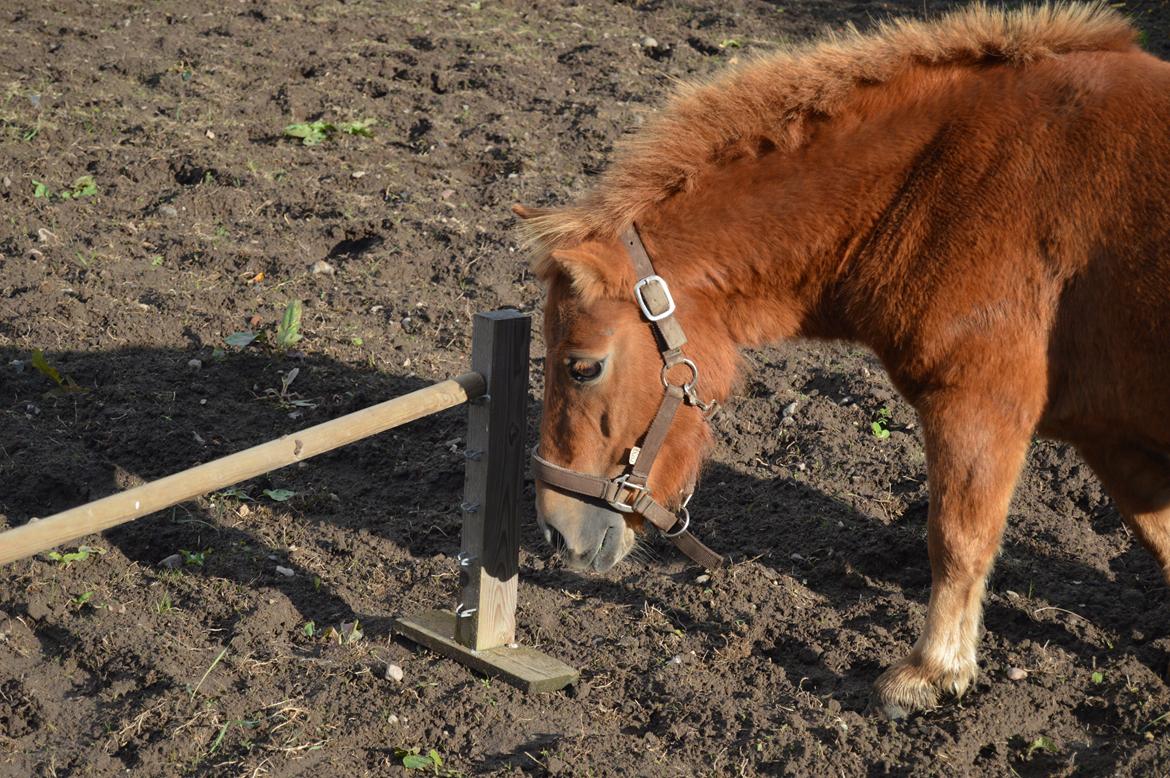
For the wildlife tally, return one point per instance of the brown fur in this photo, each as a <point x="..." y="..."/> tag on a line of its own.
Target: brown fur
<point x="981" y="200"/>
<point x="769" y="102"/>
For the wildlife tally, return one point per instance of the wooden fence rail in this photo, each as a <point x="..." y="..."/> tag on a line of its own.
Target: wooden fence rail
<point x="42" y="534"/>
<point x="480" y="630"/>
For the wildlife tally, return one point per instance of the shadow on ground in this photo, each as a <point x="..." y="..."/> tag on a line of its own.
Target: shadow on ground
<point x="822" y="593"/>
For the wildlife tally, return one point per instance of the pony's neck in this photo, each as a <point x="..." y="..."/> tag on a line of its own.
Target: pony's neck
<point x="775" y="239"/>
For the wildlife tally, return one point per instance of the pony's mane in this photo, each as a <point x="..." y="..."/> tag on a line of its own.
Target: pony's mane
<point x="767" y="101"/>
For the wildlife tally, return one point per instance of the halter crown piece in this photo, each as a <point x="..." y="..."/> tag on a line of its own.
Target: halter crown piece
<point x="628" y="492"/>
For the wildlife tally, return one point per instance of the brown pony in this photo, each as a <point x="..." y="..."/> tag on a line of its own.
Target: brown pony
<point x="982" y="200"/>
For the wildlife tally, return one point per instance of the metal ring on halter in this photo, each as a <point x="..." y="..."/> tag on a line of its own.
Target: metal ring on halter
<point x="686" y="522"/>
<point x="687" y="387"/>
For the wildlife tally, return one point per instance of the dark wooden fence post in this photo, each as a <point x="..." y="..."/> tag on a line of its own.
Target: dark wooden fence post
<point x="496" y="425"/>
<point x="481" y="632"/>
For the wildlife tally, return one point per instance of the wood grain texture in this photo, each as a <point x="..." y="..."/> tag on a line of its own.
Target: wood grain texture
<point x="525" y="668"/>
<point x="494" y="481"/>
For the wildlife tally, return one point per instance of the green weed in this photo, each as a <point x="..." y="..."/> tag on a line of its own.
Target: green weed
<point x="13" y="129"/>
<point x="240" y="339"/>
<point x="1041" y="743"/>
<point x="880" y="426"/>
<point x="286" y="398"/>
<point x="194" y="558"/>
<point x="430" y="762"/>
<point x="288" y="331"/>
<point x="43" y="367"/>
<point x="361" y="127"/>
<point x="84" y="186"/>
<point x="244" y="723"/>
<point x="1155" y="722"/>
<point x="314" y="133"/>
<point x="80" y="555"/>
<point x="209" y="669"/>
<point x="234" y="493"/>
<point x="349" y="632"/>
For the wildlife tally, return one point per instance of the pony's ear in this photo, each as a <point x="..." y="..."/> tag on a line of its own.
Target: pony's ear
<point x="594" y="270"/>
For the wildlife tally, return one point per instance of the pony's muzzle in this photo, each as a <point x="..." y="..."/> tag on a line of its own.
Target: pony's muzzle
<point x="589" y="535"/>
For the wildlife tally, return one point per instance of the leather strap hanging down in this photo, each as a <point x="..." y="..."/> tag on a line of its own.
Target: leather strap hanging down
<point x="629" y="492"/>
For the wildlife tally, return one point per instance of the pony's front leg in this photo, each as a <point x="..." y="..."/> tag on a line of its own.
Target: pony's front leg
<point x="976" y="441"/>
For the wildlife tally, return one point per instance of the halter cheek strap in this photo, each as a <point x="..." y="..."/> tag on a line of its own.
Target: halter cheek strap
<point x="629" y="492"/>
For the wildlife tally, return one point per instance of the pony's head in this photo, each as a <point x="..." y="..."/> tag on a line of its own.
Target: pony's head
<point x="603" y="386"/>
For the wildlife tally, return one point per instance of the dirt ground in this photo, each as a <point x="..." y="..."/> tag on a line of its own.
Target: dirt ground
<point x="238" y="656"/>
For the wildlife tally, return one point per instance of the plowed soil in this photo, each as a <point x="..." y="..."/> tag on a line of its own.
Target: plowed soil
<point x="238" y="655"/>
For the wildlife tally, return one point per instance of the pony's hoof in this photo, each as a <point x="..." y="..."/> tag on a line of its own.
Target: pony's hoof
<point x="907" y="688"/>
<point x="891" y="711"/>
<point x="902" y="690"/>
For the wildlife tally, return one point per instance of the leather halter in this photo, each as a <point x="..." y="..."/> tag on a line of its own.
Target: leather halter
<point x="628" y="492"/>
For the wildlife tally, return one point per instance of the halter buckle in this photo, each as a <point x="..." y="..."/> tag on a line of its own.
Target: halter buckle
<point x="654" y="279"/>
<point x="623" y="482"/>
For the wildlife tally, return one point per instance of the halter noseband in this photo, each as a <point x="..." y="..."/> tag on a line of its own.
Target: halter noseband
<point x="628" y="492"/>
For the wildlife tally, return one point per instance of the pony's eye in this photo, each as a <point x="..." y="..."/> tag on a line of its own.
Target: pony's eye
<point x="585" y="370"/>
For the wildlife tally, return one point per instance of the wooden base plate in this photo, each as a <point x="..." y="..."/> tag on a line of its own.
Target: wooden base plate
<point x="525" y="668"/>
